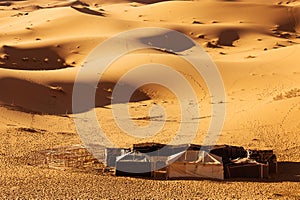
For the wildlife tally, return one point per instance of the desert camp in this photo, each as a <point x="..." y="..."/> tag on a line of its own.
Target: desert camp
<point x="160" y="161"/>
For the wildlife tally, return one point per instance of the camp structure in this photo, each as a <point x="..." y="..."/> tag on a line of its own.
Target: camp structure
<point x="134" y="164"/>
<point x="162" y="161"/>
<point x="146" y="159"/>
<point x="195" y="164"/>
<point x="257" y="164"/>
<point x="69" y="157"/>
<point x="195" y="161"/>
<point x="185" y="164"/>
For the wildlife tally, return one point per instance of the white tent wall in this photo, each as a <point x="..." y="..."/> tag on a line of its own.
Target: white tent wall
<point x="158" y="162"/>
<point x="134" y="164"/>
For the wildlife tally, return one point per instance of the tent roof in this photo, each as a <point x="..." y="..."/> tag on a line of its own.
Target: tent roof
<point x="134" y="156"/>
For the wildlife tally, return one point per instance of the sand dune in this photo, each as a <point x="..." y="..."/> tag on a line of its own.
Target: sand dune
<point x="43" y="45"/>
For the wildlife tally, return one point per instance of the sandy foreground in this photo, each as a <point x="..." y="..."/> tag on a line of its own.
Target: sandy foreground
<point x="43" y="45"/>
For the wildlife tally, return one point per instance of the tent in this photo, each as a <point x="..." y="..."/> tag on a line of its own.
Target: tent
<point x="193" y="161"/>
<point x="134" y="164"/>
<point x="195" y="164"/>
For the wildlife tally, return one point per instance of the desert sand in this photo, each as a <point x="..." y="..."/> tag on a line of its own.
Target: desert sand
<point x="43" y="45"/>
